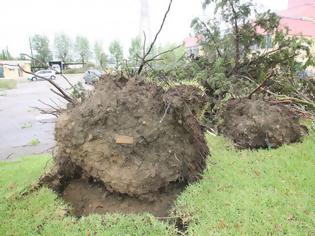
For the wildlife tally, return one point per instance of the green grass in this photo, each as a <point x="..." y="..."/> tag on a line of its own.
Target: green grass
<point x="34" y="142"/>
<point x="7" y="84"/>
<point x="244" y="193"/>
<point x="253" y="192"/>
<point x="42" y="213"/>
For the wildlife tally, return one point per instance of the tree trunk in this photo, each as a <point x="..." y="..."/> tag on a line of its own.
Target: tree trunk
<point x="237" y="37"/>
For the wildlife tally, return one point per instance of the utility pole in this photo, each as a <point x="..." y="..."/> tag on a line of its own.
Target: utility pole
<point x="31" y="49"/>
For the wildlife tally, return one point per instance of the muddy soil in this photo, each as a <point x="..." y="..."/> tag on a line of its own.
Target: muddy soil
<point x="87" y="198"/>
<point x="136" y="139"/>
<point x="254" y="123"/>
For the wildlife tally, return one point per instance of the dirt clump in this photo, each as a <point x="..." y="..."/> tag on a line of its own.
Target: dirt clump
<point x="255" y="123"/>
<point x="135" y="139"/>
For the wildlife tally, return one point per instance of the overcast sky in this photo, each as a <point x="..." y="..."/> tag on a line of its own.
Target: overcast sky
<point x="102" y="20"/>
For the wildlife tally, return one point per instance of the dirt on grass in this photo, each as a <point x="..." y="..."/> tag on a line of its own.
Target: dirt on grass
<point x="131" y="147"/>
<point x="255" y="123"/>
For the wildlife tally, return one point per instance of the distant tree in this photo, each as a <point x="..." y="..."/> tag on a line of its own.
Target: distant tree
<point x="171" y="59"/>
<point x="135" y="51"/>
<point x="5" y="54"/>
<point x="100" y="56"/>
<point x="116" y="52"/>
<point x="82" y="47"/>
<point x="63" y="45"/>
<point x="40" y="45"/>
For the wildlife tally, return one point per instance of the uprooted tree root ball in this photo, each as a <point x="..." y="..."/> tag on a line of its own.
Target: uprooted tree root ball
<point x="255" y="123"/>
<point x="132" y="142"/>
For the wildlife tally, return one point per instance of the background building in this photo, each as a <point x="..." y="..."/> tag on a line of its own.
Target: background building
<point x="10" y="69"/>
<point x="192" y="45"/>
<point x="299" y="18"/>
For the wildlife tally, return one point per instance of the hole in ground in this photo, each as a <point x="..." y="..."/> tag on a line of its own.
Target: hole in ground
<point x="87" y="197"/>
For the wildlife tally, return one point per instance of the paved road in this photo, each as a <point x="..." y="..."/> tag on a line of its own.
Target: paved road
<point x="20" y="124"/>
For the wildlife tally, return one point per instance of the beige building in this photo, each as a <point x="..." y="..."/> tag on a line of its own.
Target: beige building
<point x="10" y="69"/>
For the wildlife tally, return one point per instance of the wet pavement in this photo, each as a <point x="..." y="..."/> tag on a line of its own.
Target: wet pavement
<point x="24" y="130"/>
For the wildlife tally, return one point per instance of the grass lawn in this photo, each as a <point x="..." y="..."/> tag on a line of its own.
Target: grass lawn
<point x="7" y="84"/>
<point x="242" y="193"/>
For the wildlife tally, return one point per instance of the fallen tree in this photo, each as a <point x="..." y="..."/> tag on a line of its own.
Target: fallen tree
<point x="249" y="59"/>
<point x="246" y="57"/>
<point x="131" y="137"/>
<point x="255" y="123"/>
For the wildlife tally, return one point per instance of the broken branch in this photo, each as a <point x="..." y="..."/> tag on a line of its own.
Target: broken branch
<point x="65" y="96"/>
<point x="145" y="54"/>
<point x="261" y="85"/>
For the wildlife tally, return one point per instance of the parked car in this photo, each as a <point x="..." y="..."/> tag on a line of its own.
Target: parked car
<point x="48" y="74"/>
<point x="91" y="76"/>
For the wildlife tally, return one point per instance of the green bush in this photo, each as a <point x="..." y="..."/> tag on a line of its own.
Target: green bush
<point x="34" y="142"/>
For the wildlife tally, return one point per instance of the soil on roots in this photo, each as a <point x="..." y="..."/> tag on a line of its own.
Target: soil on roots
<point x="140" y="143"/>
<point x="255" y="123"/>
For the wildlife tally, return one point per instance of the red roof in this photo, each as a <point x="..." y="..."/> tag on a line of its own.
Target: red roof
<point x="300" y="19"/>
<point x="295" y="3"/>
<point x="307" y="10"/>
<point x="299" y="27"/>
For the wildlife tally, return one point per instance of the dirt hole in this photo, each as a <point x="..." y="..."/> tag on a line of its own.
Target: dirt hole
<point x="87" y="197"/>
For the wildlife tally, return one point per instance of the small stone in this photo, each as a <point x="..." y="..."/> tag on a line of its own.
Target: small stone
<point x="90" y="137"/>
